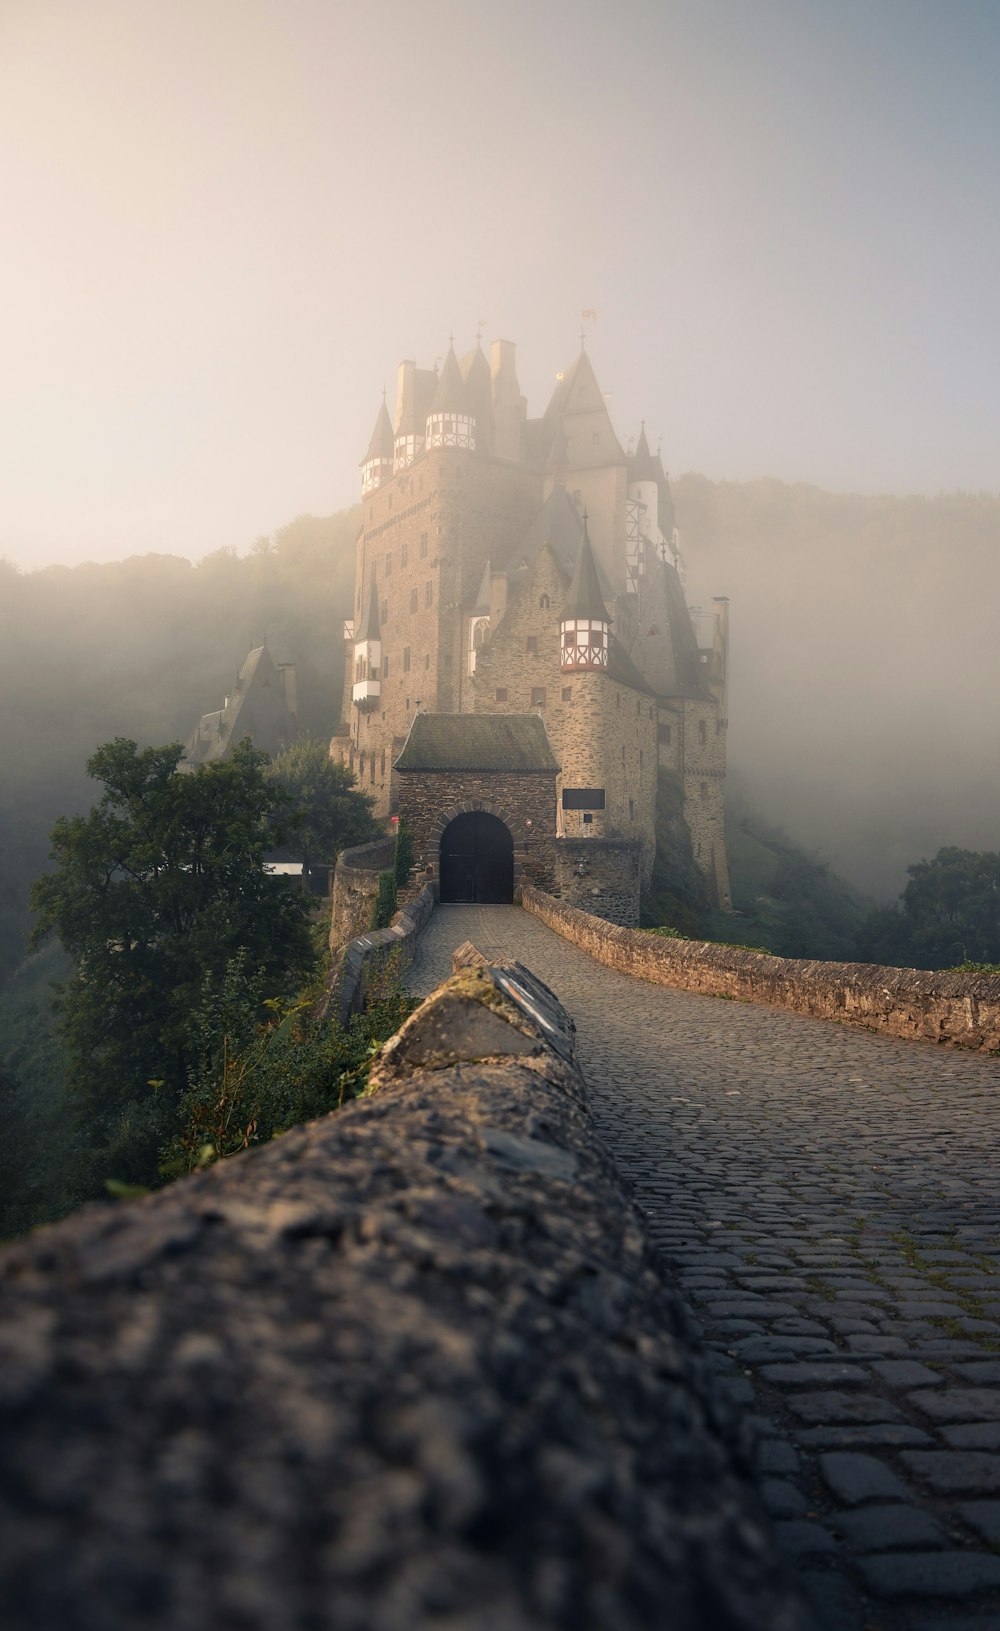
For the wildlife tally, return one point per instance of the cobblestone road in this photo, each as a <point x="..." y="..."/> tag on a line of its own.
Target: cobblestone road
<point x="828" y="1199"/>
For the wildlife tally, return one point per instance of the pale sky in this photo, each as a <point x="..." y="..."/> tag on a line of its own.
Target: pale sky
<point x="225" y="221"/>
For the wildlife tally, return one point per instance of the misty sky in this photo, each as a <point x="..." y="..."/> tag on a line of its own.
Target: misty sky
<point x="226" y="221"/>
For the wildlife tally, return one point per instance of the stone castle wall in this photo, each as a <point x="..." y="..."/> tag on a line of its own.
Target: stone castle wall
<point x="600" y="876"/>
<point x="523" y="800"/>
<point x="427" y="534"/>
<point x="927" y="1005"/>
<point x="355" y="886"/>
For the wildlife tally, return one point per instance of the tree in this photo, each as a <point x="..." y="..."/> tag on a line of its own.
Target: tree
<point x="153" y="894"/>
<point x="950" y="914"/>
<point x="330" y="812"/>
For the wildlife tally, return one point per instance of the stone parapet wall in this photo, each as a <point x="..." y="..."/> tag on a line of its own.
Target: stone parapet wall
<point x="361" y="963"/>
<point x="930" y="1005"/>
<point x="413" y="1364"/>
<point x="355" y="886"/>
<point x="601" y="876"/>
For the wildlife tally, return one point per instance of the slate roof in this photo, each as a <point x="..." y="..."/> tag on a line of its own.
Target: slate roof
<point x="584" y="597"/>
<point x="666" y="647"/>
<point x="381" y="444"/>
<point x="255" y="708"/>
<point x="643" y="466"/>
<point x="501" y="742"/>
<point x="450" y="395"/>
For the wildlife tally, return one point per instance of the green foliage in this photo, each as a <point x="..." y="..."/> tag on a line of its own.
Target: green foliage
<point x="153" y="895"/>
<point x="785" y="900"/>
<point x="970" y="967"/>
<point x="142" y="648"/>
<point x="403" y="858"/>
<point x="385" y="901"/>
<point x="665" y="932"/>
<point x="948" y="917"/>
<point x="264" y="1065"/>
<point x="329" y="812"/>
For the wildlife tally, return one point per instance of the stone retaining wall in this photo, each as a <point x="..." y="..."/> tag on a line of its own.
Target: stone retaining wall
<point x="932" y="1005"/>
<point x="355" y="886"/>
<point x="356" y="971"/>
<point x="412" y="1365"/>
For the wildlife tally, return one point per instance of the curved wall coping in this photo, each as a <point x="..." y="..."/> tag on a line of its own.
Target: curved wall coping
<point x="417" y="1358"/>
<point x="363" y="956"/>
<point x="936" y="1005"/>
<point x="372" y="857"/>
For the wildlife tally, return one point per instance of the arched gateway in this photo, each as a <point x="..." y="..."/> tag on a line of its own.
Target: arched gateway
<point x="477" y="860"/>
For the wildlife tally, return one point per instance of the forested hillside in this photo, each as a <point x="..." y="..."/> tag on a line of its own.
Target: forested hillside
<point x="865" y="666"/>
<point x="141" y="649"/>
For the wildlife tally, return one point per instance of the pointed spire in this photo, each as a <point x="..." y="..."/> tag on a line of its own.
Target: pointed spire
<point x="380" y="446"/>
<point x="644" y="465"/>
<point x="370" y="630"/>
<point x="450" y="394"/>
<point x="584" y="598"/>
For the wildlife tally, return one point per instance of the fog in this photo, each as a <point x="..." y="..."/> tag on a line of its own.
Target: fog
<point x="228" y="223"/>
<point x="865" y="665"/>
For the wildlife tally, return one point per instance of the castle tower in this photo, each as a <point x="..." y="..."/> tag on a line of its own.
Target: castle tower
<point x="376" y="466"/>
<point x="449" y="423"/>
<point x="475" y="372"/>
<point x="585" y="626"/>
<point x="510" y="410"/>
<point x="368" y="654"/>
<point x="416" y="390"/>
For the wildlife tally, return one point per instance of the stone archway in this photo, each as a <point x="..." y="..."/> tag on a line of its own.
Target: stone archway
<point x="477" y="860"/>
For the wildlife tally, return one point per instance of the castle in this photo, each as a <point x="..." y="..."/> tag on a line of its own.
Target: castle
<point x="521" y="642"/>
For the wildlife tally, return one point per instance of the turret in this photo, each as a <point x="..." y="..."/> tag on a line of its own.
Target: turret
<point x="368" y="654"/>
<point x="411" y="415"/>
<point x="586" y="626"/>
<point x="376" y="466"/>
<point x="449" y="422"/>
<point x="509" y="406"/>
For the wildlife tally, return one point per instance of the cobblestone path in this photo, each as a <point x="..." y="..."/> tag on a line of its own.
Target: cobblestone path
<point x="829" y="1201"/>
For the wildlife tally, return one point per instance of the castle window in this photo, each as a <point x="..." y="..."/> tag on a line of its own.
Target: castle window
<point x="429" y="594"/>
<point x="501" y="693"/>
<point x="587" y="818"/>
<point x="544" y="602"/>
<point x="641" y="758"/>
<point x="402" y="549"/>
<point x="663" y="734"/>
<point x="631" y="802"/>
<point x="414" y="599"/>
<point x="383" y="761"/>
<point x="406" y="659"/>
<point x="538" y="696"/>
<point x="371" y="773"/>
<point x="618" y="699"/>
<point x="702" y="732"/>
<point x="427" y="660"/>
<point x="385" y="667"/>
<point x="531" y="645"/>
<point x="567" y="692"/>
<point x="703" y="789"/>
<point x="361" y="766"/>
<point x="423" y="545"/>
<point x="388" y="563"/>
